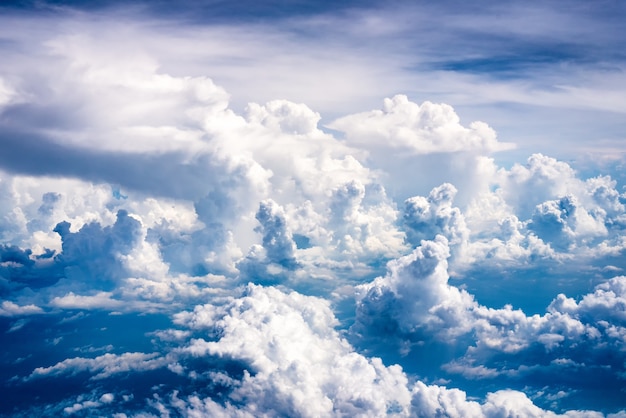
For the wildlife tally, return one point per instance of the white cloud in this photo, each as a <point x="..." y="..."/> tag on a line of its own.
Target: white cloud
<point x="299" y="365"/>
<point x="81" y="405"/>
<point x="307" y="59"/>
<point x="425" y="218"/>
<point x="544" y="210"/>
<point x="36" y="204"/>
<point x="284" y="116"/>
<point x="406" y="127"/>
<point x="277" y="238"/>
<point x="101" y="300"/>
<point x="102" y="366"/>
<point x="433" y="400"/>
<point x="107" y="398"/>
<point x="188" y="119"/>
<point x="9" y="308"/>
<point x="362" y="222"/>
<point x="7" y="94"/>
<point x="563" y="222"/>
<point x="414" y="301"/>
<point x="606" y="303"/>
<point x="415" y="295"/>
<point x="513" y="403"/>
<point x="155" y="185"/>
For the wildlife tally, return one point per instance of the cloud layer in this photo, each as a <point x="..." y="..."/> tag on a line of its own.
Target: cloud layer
<point x="166" y="250"/>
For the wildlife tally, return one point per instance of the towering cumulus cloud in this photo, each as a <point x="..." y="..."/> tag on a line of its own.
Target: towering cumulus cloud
<point x="167" y="250"/>
<point x="297" y="364"/>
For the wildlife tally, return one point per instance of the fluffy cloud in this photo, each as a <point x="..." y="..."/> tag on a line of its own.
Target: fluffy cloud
<point x="298" y="364"/>
<point x="417" y="129"/>
<point x="91" y="253"/>
<point x="276" y="256"/>
<point x="542" y="179"/>
<point x="415" y="302"/>
<point x="141" y="252"/>
<point x="101" y="300"/>
<point x="606" y="307"/>
<point x="132" y="126"/>
<point x="422" y="146"/>
<point x="512" y="403"/>
<point x="9" y="308"/>
<point x="425" y="218"/>
<point x="434" y="400"/>
<point x="544" y="211"/>
<point x="277" y="238"/>
<point x="562" y="222"/>
<point x="415" y="295"/>
<point x="106" y="398"/>
<point x="174" y="140"/>
<point x="102" y="366"/>
<point x="268" y="352"/>
<point x="363" y="222"/>
<point x="130" y="186"/>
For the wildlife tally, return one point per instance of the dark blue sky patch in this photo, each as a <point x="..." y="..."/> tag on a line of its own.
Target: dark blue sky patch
<point x="516" y="65"/>
<point x="49" y="339"/>
<point x="198" y="11"/>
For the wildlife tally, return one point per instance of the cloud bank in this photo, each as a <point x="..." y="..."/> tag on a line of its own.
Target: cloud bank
<point x="167" y="251"/>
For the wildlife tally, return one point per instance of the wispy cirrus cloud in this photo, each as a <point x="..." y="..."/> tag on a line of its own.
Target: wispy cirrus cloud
<point x="531" y="57"/>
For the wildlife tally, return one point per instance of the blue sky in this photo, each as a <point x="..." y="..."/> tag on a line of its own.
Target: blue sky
<point x="311" y="209"/>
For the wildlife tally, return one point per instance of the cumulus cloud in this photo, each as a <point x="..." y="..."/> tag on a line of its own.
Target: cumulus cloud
<point x="415" y="296"/>
<point x="543" y="211"/>
<point x="101" y="300"/>
<point x="362" y="221"/>
<point x="268" y="352"/>
<point x="415" y="302"/>
<point x="607" y="303"/>
<point x="107" y="398"/>
<point x="140" y="252"/>
<point x="9" y="308"/>
<point x="508" y="403"/>
<point x="417" y="129"/>
<point x="425" y="218"/>
<point x="175" y="138"/>
<point x="91" y="253"/>
<point x="132" y="126"/>
<point x="276" y="255"/>
<point x="435" y="400"/>
<point x="419" y="147"/>
<point x="298" y="364"/>
<point x="562" y="222"/>
<point x="277" y="238"/>
<point x="140" y="188"/>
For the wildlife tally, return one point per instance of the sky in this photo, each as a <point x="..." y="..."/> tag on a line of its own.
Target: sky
<point x="312" y="209"/>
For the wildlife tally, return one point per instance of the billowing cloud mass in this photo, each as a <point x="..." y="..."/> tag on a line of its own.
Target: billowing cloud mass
<point x="166" y="250"/>
<point x="417" y="129"/>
